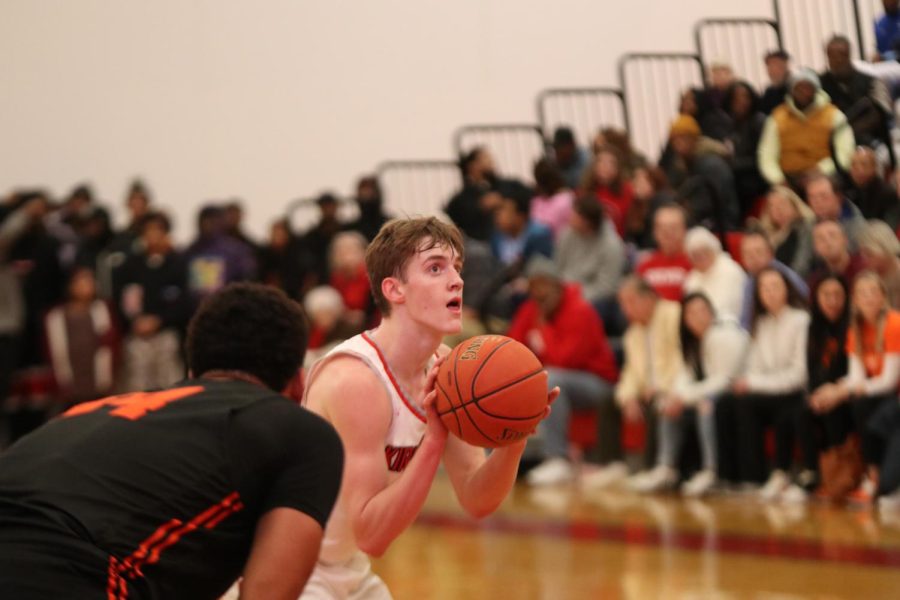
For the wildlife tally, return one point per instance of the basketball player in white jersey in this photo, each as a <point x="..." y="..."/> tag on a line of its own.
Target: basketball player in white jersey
<point x="377" y="391"/>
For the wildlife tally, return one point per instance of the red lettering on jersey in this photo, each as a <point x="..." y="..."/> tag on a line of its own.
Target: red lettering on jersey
<point x="399" y="457"/>
<point x="134" y="406"/>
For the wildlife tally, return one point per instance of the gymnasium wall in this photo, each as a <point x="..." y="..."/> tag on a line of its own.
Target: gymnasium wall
<point x="270" y="101"/>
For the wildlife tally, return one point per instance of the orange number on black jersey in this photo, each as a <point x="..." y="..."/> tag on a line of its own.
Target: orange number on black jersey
<point x="134" y="406"/>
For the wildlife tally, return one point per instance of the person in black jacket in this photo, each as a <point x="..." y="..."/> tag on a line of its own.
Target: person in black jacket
<point x="471" y="209"/>
<point x="778" y="69"/>
<point x="371" y="208"/>
<point x="742" y="105"/>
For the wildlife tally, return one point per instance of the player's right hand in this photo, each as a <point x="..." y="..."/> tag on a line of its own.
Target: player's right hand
<point x="434" y="426"/>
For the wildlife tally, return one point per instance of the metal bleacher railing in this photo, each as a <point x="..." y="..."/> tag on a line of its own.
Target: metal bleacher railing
<point x="741" y="43"/>
<point x="418" y="187"/>
<point x="652" y="84"/>
<point x="584" y="110"/>
<point x="515" y="147"/>
<point x="807" y="24"/>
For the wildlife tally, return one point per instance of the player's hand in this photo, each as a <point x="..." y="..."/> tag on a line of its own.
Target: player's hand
<point x="435" y="429"/>
<point x="551" y="398"/>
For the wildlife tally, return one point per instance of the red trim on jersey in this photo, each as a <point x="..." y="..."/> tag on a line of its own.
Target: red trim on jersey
<point x="412" y="407"/>
<point x="168" y="534"/>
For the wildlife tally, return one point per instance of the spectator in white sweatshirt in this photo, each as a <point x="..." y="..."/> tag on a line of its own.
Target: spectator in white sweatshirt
<point x="714" y="273"/>
<point x="714" y="351"/>
<point x="772" y="389"/>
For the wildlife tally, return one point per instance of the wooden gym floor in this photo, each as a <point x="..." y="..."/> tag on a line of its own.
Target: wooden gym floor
<point x="563" y="543"/>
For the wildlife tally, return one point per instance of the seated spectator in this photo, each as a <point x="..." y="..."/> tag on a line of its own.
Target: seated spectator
<point x="699" y="104"/>
<point x="864" y="99"/>
<point x="82" y="342"/>
<point x="317" y="238"/>
<point x="873" y="348"/>
<point x="285" y="262"/>
<point x="880" y="248"/>
<point x="631" y="159"/>
<point x="479" y="273"/>
<point x="590" y="253"/>
<point x="666" y="269"/>
<point x="607" y="182"/>
<point x="516" y="237"/>
<point x="827" y="203"/>
<point x="757" y="254"/>
<point x="721" y="78"/>
<point x="788" y="222"/>
<point x="867" y="190"/>
<point x="215" y="259"/>
<point x="370" y="203"/>
<point x="329" y="325"/>
<point x="714" y="273"/>
<point x="826" y="360"/>
<point x="741" y="102"/>
<point x="832" y="252"/>
<point x="713" y="351"/>
<point x="154" y="302"/>
<point x="771" y="390"/>
<point x="652" y="362"/>
<point x="565" y="333"/>
<point x="800" y="134"/>
<point x="651" y="190"/>
<point x="887" y="31"/>
<point x="778" y="69"/>
<point x="472" y="208"/>
<point x="704" y="179"/>
<point x="552" y="204"/>
<point x="349" y="277"/>
<point x="571" y="160"/>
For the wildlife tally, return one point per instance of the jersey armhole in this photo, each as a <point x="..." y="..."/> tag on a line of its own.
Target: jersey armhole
<point x="347" y="353"/>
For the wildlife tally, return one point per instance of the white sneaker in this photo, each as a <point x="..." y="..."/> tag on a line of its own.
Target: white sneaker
<point x="794" y="494"/>
<point x="777" y="483"/>
<point x="656" y="480"/>
<point x="700" y="484"/>
<point x="605" y="476"/>
<point x="890" y="502"/>
<point x="551" y="472"/>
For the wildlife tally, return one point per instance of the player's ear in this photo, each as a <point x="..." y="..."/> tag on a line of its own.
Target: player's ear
<point x="392" y="289"/>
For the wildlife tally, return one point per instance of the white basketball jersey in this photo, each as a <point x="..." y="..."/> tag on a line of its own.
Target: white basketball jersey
<point x="403" y="438"/>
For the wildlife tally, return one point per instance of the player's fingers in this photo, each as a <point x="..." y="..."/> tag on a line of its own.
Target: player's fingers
<point x="428" y="403"/>
<point x="553" y="395"/>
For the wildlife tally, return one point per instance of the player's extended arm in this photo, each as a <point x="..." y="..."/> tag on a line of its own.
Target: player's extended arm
<point x="360" y="410"/>
<point x="285" y="548"/>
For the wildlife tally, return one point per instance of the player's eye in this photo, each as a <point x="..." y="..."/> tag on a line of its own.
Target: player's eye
<point x="435" y="268"/>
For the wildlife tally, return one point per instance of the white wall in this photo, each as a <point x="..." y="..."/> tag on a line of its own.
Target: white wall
<point x="273" y="100"/>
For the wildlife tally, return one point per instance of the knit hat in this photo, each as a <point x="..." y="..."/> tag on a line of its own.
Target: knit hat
<point x="541" y="266"/>
<point x="684" y="125"/>
<point x="804" y="74"/>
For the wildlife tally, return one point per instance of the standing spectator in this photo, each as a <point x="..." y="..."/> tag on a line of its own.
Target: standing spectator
<point x="771" y="390"/>
<point x="516" y="237"/>
<point x="285" y="262"/>
<point x="215" y="259"/>
<point x="651" y="190"/>
<point x="138" y="202"/>
<point x="666" y="269"/>
<point x="471" y="209"/>
<point x="567" y="336"/>
<point x="800" y="134"/>
<point x="66" y="222"/>
<point x="778" y="69"/>
<point x="95" y="235"/>
<point x="607" y="182"/>
<point x="827" y="203"/>
<point x="714" y="273"/>
<point x="741" y="102"/>
<point x="713" y="351"/>
<point x="572" y="160"/>
<point x="590" y="253"/>
<point x="873" y="347"/>
<point x="757" y="253"/>
<point x="370" y="202"/>
<point x="349" y="278"/>
<point x="552" y="204"/>
<point x="874" y="197"/>
<point x="833" y="256"/>
<point x="82" y="342"/>
<point x="652" y="357"/>
<point x="233" y="215"/>
<point x="887" y="31"/>
<point x="154" y="301"/>
<point x="864" y="99"/>
<point x="788" y="222"/>
<point x="318" y="238"/>
<point x="880" y="248"/>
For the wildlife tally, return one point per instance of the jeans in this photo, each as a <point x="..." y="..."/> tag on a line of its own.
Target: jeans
<point x="671" y="433"/>
<point x="578" y="390"/>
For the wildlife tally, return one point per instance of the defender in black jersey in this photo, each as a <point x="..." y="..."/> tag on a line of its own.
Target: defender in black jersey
<point x="176" y="493"/>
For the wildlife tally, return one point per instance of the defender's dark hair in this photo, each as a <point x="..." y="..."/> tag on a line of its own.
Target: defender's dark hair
<point x="251" y="328"/>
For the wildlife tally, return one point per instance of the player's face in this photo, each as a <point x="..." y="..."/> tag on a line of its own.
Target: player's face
<point x="433" y="289"/>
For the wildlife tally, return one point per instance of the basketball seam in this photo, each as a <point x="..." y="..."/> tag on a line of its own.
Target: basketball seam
<point x="492" y="392"/>
<point x="452" y="410"/>
<point x="485" y="362"/>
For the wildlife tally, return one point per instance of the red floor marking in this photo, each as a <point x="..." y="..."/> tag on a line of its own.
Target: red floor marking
<point x="728" y="543"/>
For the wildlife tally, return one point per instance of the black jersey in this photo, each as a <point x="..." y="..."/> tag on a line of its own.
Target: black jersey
<point x="157" y="495"/>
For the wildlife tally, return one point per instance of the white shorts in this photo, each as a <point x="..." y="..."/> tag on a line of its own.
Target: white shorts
<point x="352" y="580"/>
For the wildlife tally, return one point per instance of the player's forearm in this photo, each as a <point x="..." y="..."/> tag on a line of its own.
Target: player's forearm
<point x="489" y="485"/>
<point x="393" y="509"/>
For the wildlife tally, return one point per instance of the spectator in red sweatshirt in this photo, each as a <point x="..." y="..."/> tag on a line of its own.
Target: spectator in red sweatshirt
<point x="667" y="268"/>
<point x="564" y="331"/>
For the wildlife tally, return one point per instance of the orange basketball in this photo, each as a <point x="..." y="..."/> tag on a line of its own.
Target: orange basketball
<point x="491" y="391"/>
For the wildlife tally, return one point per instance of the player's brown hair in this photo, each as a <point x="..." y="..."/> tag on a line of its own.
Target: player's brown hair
<point x="397" y="242"/>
